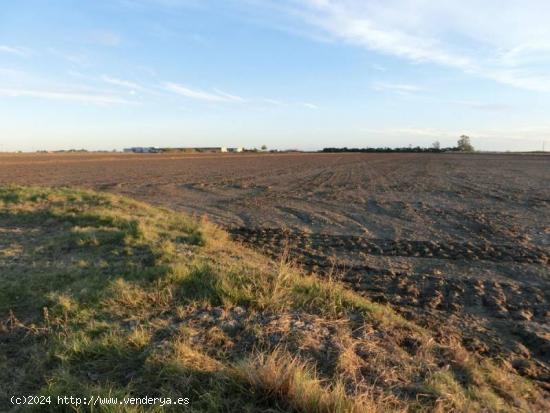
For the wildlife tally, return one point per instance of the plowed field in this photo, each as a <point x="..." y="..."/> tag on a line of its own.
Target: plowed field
<point x="459" y="243"/>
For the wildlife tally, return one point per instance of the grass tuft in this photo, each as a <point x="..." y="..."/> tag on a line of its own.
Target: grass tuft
<point x="294" y="384"/>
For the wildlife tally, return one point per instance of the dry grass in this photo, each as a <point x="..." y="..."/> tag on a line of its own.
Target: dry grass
<point x="295" y="385"/>
<point x="107" y="296"/>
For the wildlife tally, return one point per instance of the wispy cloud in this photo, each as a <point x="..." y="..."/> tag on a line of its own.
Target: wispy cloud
<point x="476" y="38"/>
<point x="74" y="58"/>
<point x="219" y="96"/>
<point x="378" y="67"/>
<point x="216" y="96"/>
<point x="121" y="83"/>
<point x="17" y="51"/>
<point x="510" y="47"/>
<point x="230" y="97"/>
<point x="308" y="105"/>
<point x="88" y="98"/>
<point x="395" y="87"/>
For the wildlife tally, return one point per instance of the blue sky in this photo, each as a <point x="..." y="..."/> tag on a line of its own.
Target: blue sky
<point x="108" y="74"/>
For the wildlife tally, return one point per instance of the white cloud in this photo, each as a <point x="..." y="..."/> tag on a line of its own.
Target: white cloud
<point x="121" y="83"/>
<point x="18" y="51"/>
<point x="378" y="67"/>
<point x="507" y="43"/>
<point x="74" y="58"/>
<point x="395" y="87"/>
<point x="309" y="105"/>
<point x="232" y="98"/>
<point x="89" y="98"/>
<point x="217" y="96"/>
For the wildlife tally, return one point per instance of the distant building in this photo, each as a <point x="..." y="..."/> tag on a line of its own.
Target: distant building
<point x="140" y="149"/>
<point x="207" y="149"/>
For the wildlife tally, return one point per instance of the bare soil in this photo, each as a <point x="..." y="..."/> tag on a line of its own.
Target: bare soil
<point x="458" y="243"/>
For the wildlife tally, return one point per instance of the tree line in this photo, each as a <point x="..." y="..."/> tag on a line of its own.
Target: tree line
<point x="463" y="145"/>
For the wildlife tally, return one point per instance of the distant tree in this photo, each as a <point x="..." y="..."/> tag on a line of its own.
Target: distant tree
<point x="464" y="144"/>
<point x="436" y="145"/>
<point x="264" y="148"/>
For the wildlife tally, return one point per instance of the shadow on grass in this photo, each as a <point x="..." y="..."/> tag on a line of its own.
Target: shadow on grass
<point x="118" y="370"/>
<point x="75" y="255"/>
<point x="201" y="283"/>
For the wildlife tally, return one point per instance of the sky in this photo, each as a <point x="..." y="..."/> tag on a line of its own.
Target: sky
<point x="303" y="74"/>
